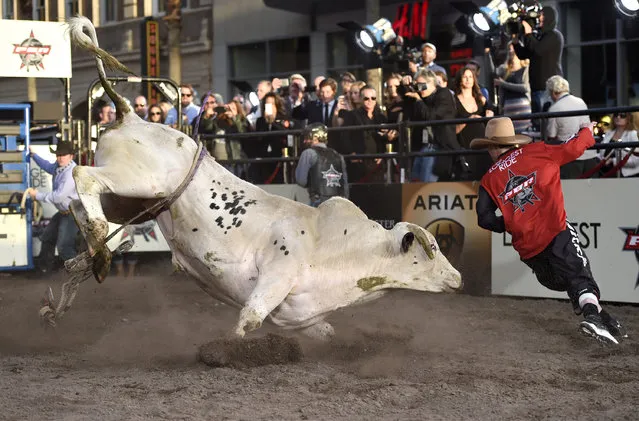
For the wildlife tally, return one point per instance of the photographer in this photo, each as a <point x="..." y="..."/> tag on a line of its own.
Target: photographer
<point x="544" y="51"/>
<point x="425" y="100"/>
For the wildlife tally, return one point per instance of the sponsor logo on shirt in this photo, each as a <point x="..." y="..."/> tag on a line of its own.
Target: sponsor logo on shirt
<point x="519" y="191"/>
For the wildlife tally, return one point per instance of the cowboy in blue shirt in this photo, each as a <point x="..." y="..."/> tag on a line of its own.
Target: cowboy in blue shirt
<point x="62" y="230"/>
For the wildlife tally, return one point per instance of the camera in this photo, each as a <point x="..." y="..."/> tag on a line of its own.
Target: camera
<point x="520" y="11"/>
<point x="403" y="89"/>
<point x="399" y="55"/>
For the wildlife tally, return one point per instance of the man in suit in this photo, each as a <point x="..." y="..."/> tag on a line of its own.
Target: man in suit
<point x="320" y="111"/>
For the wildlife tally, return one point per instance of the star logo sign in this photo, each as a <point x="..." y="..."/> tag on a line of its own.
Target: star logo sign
<point x="632" y="244"/>
<point x="519" y="190"/>
<point x="31" y="52"/>
<point x="332" y="177"/>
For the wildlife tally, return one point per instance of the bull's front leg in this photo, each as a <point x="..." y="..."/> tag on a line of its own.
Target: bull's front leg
<point x="91" y="220"/>
<point x="269" y="293"/>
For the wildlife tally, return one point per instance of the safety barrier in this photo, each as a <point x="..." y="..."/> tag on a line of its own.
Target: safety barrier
<point x="400" y="159"/>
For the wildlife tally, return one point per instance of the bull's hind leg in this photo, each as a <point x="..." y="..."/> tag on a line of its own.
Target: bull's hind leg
<point x="90" y="218"/>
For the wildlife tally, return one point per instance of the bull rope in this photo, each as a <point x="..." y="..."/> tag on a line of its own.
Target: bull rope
<point x="79" y="267"/>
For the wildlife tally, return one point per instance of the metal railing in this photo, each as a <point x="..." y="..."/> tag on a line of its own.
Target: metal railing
<point x="404" y="153"/>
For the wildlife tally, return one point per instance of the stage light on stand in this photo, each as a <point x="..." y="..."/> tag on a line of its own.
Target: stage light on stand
<point x="372" y="38"/>
<point x="627" y="8"/>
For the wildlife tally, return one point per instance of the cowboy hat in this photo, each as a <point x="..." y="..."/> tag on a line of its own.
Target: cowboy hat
<point x="500" y="132"/>
<point x="64" y="148"/>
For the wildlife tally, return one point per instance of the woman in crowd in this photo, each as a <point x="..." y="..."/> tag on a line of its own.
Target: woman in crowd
<point x="347" y="103"/>
<point x="513" y="84"/>
<point x="470" y="103"/>
<point x="234" y="121"/>
<point x="624" y="129"/>
<point x="274" y="118"/>
<point x="392" y="100"/>
<point x="155" y="114"/>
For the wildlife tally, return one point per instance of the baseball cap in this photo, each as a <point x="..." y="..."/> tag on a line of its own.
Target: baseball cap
<point x="429" y="45"/>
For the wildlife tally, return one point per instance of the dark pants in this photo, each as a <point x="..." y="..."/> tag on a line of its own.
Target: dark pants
<point x="61" y="232"/>
<point x="575" y="169"/>
<point x="563" y="266"/>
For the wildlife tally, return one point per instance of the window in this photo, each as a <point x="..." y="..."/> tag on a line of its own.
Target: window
<point x="7" y="9"/>
<point x="290" y="54"/>
<point x="130" y="9"/>
<point x="109" y="10"/>
<point x="39" y="10"/>
<point x="590" y="58"/>
<point x="159" y="6"/>
<point x="71" y="7"/>
<point x="344" y="55"/>
<point x="266" y="60"/>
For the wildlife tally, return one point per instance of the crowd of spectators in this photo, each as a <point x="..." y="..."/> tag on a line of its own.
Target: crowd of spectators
<point x="529" y="79"/>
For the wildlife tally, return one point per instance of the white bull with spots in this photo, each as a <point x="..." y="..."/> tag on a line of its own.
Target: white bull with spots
<point x="269" y="256"/>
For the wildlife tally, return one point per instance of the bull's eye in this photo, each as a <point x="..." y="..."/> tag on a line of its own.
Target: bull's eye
<point x="433" y="247"/>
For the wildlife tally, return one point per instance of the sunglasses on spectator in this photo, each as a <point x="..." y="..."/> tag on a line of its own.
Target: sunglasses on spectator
<point x="183" y="94"/>
<point x="156" y="113"/>
<point x="370" y="98"/>
<point x="140" y="105"/>
<point x="621" y="115"/>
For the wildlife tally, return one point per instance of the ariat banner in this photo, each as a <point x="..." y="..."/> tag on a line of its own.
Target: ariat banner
<point x="34" y="49"/>
<point x="447" y="210"/>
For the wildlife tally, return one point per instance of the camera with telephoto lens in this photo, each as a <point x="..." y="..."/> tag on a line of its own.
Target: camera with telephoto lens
<point x="520" y="11"/>
<point x="417" y="87"/>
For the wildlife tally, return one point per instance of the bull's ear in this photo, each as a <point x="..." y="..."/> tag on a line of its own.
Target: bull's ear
<point x="407" y="241"/>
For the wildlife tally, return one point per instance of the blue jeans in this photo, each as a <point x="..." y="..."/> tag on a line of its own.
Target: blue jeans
<point x="423" y="166"/>
<point x="61" y="233"/>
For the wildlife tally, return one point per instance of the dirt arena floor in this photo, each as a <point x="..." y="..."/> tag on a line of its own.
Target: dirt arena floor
<point x="128" y="350"/>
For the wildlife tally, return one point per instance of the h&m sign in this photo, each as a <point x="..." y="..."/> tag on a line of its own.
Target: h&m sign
<point x="411" y="22"/>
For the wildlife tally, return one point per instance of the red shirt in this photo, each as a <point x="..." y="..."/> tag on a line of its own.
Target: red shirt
<point x="525" y="184"/>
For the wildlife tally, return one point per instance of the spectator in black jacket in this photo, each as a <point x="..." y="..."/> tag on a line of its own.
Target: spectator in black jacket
<point x="544" y="51"/>
<point x="432" y="103"/>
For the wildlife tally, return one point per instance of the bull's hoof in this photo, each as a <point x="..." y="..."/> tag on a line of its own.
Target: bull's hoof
<point x="254" y="352"/>
<point x="101" y="264"/>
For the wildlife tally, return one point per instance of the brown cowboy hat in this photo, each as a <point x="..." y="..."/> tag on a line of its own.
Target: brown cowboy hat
<point x="500" y="132"/>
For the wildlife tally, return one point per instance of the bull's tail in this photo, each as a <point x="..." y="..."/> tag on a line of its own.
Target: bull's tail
<point x="77" y="26"/>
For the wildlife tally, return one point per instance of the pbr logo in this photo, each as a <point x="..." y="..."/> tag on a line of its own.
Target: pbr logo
<point x="31" y="52"/>
<point x="519" y="190"/>
<point x="632" y="244"/>
<point x="332" y="177"/>
<point x="450" y="237"/>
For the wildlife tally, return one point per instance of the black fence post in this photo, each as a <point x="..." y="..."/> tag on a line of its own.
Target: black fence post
<point x="404" y="161"/>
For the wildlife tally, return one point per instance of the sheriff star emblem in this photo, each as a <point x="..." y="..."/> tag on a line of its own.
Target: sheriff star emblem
<point x="332" y="177"/>
<point x="31" y="52"/>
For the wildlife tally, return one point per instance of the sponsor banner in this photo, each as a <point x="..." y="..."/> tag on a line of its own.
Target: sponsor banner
<point x="447" y="210"/>
<point x="34" y="49"/>
<point x="380" y="202"/>
<point x="604" y="213"/>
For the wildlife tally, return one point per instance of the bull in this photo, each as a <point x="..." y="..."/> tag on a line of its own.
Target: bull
<point x="264" y="254"/>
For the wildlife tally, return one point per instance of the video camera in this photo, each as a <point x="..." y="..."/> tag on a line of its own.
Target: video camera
<point x="520" y="11"/>
<point x="399" y="55"/>
<point x="417" y="87"/>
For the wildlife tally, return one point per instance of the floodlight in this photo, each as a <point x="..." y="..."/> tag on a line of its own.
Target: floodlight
<point x="375" y="36"/>
<point x="627" y="8"/>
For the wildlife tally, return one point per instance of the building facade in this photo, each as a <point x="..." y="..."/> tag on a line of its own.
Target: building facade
<point x="248" y="40"/>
